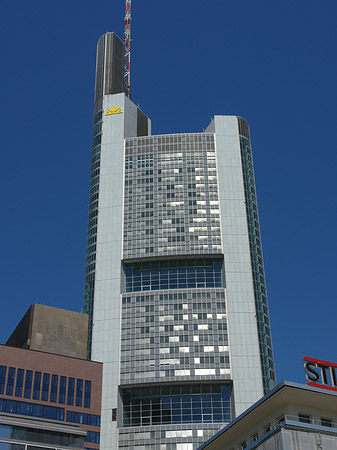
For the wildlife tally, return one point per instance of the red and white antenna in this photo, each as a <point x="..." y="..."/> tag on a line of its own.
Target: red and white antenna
<point x="127" y="44"/>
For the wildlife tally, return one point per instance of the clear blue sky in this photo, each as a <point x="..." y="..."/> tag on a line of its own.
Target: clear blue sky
<point x="273" y="63"/>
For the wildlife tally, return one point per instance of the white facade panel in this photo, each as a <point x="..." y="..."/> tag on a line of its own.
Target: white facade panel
<point x="106" y="313"/>
<point x="243" y="337"/>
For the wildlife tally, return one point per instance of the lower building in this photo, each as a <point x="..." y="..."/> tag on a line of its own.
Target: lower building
<point x="48" y="398"/>
<point x="30" y="433"/>
<point x="291" y="417"/>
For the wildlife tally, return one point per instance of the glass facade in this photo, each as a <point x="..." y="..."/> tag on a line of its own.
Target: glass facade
<point x="173" y="274"/>
<point x="161" y="289"/>
<point x="174" y="335"/>
<point x="176" y="404"/>
<point x="87" y="419"/>
<point x="31" y="409"/>
<point x="45" y="387"/>
<point x="51" y="392"/>
<point x="41" y="436"/>
<point x="171" y="203"/>
<point x="259" y="282"/>
<point x="92" y="218"/>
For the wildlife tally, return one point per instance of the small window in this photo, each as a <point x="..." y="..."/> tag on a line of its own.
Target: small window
<point x="304" y="418"/>
<point x="255" y="437"/>
<point x="114" y="414"/>
<point x="243" y="445"/>
<point x="326" y="422"/>
<point x="267" y="428"/>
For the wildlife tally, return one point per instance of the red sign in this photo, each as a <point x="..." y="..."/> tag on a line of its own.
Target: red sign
<point x="322" y="374"/>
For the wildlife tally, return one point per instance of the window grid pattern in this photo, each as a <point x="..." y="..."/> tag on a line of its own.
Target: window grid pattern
<point x="259" y="282"/>
<point x="46" y="386"/>
<point x="31" y="409"/>
<point x="89" y="284"/>
<point x="171" y="204"/>
<point x="167" y="437"/>
<point x="173" y="274"/>
<point x="180" y="335"/>
<point x="158" y="405"/>
<point x="22" y="434"/>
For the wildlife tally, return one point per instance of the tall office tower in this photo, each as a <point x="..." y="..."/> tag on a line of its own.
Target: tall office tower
<point x="175" y="287"/>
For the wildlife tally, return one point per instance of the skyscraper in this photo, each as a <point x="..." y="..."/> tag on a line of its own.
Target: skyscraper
<point x="175" y="286"/>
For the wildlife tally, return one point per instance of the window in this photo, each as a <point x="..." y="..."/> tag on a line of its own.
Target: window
<point x="174" y="274"/>
<point x="31" y="409"/>
<point x="37" y="385"/>
<point x="87" y="393"/>
<point x="71" y="389"/>
<point x="45" y="387"/>
<point x="326" y="422"/>
<point x="255" y="437"/>
<point x="79" y="392"/>
<point x="114" y="414"/>
<point x="19" y="383"/>
<point x="304" y="418"/>
<point x="86" y="419"/>
<point x="3" y="371"/>
<point x="53" y="389"/>
<point x="10" y="381"/>
<point x="62" y="393"/>
<point x="92" y="436"/>
<point x="28" y="383"/>
<point x="199" y="403"/>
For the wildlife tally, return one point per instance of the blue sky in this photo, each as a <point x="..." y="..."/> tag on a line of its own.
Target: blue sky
<point x="273" y="63"/>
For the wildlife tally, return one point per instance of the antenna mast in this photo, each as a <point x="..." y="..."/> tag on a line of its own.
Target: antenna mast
<point x="127" y="44"/>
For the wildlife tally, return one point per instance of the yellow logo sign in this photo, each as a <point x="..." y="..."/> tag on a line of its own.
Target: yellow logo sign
<point x="113" y="110"/>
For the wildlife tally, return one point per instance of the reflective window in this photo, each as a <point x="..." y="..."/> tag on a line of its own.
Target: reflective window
<point x="326" y="422"/>
<point x="3" y="371"/>
<point x="86" y="419"/>
<point x="87" y="393"/>
<point x="62" y="393"/>
<point x="71" y="391"/>
<point x="10" y="381"/>
<point x="45" y="387"/>
<point x="19" y="383"/>
<point x="43" y="436"/>
<point x="53" y="389"/>
<point x="205" y="403"/>
<point x="79" y="392"/>
<point x="37" y="385"/>
<point x="175" y="274"/>
<point x="93" y="436"/>
<point x="304" y="418"/>
<point x="28" y="383"/>
<point x="31" y="409"/>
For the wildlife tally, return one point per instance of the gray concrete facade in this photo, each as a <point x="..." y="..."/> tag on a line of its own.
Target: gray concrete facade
<point x="52" y="330"/>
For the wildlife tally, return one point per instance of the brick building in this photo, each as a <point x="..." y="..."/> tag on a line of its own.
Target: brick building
<point x="41" y="390"/>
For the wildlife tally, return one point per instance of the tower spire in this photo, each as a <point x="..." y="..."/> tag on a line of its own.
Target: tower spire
<point x="127" y="44"/>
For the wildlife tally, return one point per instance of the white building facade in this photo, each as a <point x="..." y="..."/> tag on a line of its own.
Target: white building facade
<point x="175" y="286"/>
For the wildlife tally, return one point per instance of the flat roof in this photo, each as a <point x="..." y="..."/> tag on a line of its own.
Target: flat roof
<point x="283" y="394"/>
